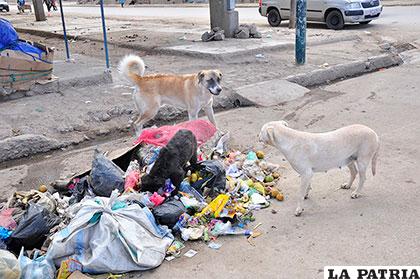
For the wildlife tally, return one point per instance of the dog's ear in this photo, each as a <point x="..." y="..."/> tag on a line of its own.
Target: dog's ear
<point x="200" y="76"/>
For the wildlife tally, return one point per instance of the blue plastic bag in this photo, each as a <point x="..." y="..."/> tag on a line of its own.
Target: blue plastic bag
<point x="38" y="268"/>
<point x="5" y="233"/>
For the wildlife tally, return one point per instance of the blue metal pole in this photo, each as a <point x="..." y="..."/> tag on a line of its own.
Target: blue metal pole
<point x="66" y="42"/>
<point x="104" y="31"/>
<point x="300" y="44"/>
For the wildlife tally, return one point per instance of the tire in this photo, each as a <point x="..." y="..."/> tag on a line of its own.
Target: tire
<point x="364" y="22"/>
<point x="7" y="9"/>
<point x="274" y="18"/>
<point x="334" y="20"/>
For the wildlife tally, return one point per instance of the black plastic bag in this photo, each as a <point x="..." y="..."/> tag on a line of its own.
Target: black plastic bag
<point x="79" y="191"/>
<point x="3" y="245"/>
<point x="105" y="176"/>
<point x="168" y="213"/>
<point x="33" y="229"/>
<point x="214" y="177"/>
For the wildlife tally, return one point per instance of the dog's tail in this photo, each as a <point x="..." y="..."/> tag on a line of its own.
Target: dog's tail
<point x="131" y="67"/>
<point x="374" y="159"/>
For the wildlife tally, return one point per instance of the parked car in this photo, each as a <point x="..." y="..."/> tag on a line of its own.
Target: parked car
<point x="335" y="13"/>
<point x="4" y="6"/>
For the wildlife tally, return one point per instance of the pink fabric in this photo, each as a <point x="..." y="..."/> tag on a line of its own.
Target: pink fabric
<point x="6" y="220"/>
<point x="202" y="129"/>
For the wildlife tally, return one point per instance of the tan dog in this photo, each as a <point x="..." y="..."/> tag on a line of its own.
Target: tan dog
<point x="318" y="152"/>
<point x="192" y="92"/>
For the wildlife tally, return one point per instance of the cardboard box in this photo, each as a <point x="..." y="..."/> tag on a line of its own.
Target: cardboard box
<point x="19" y="71"/>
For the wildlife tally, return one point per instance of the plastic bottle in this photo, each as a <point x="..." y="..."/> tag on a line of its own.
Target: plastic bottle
<point x="227" y="229"/>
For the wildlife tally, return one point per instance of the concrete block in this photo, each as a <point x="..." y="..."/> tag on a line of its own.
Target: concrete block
<point x="271" y="92"/>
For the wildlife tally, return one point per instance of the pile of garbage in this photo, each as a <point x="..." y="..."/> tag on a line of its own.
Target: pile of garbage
<point x="73" y="228"/>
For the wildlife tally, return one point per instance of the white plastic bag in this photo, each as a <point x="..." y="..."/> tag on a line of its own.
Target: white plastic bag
<point x="108" y="235"/>
<point x="9" y="265"/>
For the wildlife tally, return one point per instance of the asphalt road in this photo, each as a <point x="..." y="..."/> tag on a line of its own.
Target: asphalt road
<point x="391" y="15"/>
<point x="402" y="23"/>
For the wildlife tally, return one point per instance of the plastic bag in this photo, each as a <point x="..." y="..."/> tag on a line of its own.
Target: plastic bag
<point x="132" y="175"/>
<point x="109" y="235"/>
<point x="203" y="130"/>
<point x="216" y="206"/>
<point x="33" y="229"/>
<point x="105" y="176"/>
<point x="80" y="190"/>
<point x="38" y="268"/>
<point x="6" y="220"/>
<point x="214" y="177"/>
<point x="9" y="265"/>
<point x="4" y="233"/>
<point x="169" y="212"/>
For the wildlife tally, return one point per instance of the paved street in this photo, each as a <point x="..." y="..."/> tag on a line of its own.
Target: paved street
<point x="392" y="18"/>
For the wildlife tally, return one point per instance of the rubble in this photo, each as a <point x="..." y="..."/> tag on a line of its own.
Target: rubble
<point x="216" y="34"/>
<point x="246" y="31"/>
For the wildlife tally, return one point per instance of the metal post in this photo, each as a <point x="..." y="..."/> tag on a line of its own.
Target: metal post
<point x="39" y="10"/>
<point x="300" y="44"/>
<point x="292" y="17"/>
<point x="104" y="31"/>
<point x="66" y="42"/>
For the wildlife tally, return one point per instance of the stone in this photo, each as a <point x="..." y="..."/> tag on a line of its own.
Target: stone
<point x="252" y="29"/>
<point x="257" y="35"/>
<point x="206" y="37"/>
<point x="219" y="36"/>
<point x="276" y="92"/>
<point x="242" y="33"/>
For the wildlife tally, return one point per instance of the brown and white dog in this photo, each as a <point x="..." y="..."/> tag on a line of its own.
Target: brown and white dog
<point x="354" y="146"/>
<point x="192" y="92"/>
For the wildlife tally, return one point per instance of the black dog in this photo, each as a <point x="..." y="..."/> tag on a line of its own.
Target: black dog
<point x="171" y="162"/>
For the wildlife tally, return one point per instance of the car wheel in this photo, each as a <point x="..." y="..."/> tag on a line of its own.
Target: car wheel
<point x="334" y="20"/>
<point x="274" y="18"/>
<point x="7" y="9"/>
<point x="365" y="22"/>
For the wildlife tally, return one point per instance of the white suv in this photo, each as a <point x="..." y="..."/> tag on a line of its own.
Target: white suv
<point x="335" y="13"/>
<point x="4" y="6"/>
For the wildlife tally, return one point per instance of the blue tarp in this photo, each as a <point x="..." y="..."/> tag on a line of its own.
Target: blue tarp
<point x="9" y="39"/>
<point x="8" y="35"/>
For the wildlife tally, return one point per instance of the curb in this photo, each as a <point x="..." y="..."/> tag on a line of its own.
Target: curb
<point x="352" y="69"/>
